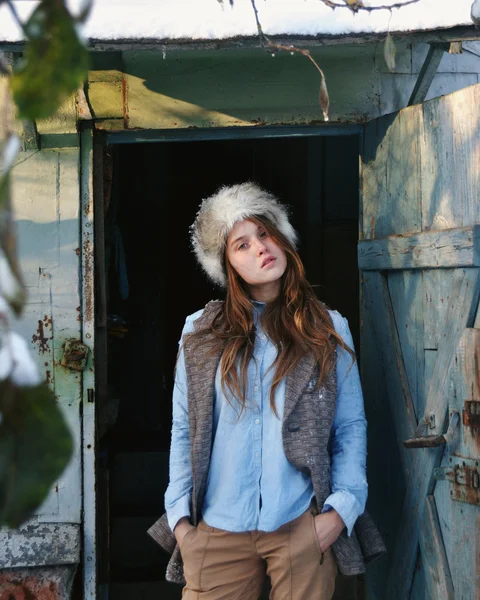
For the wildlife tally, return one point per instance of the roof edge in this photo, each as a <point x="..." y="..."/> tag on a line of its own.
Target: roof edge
<point x="453" y="34"/>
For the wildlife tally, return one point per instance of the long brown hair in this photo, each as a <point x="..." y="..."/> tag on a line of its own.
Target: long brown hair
<point x="296" y="322"/>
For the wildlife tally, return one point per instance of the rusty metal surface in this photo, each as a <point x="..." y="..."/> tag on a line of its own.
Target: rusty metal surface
<point x="41" y="583"/>
<point x="43" y="334"/>
<point x="425" y="441"/>
<point x="431" y="441"/>
<point x="75" y="355"/>
<point x="471" y="415"/>
<point x="464" y="478"/>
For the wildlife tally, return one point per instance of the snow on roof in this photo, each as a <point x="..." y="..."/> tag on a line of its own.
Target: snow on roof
<point x="208" y="20"/>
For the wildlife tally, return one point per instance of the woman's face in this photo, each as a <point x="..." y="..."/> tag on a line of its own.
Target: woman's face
<point x="254" y="255"/>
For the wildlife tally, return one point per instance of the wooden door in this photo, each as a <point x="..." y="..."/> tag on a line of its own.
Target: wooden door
<point x="419" y="257"/>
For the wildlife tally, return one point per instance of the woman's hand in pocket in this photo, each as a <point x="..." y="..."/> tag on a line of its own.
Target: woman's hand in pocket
<point x="181" y="530"/>
<point x="328" y="526"/>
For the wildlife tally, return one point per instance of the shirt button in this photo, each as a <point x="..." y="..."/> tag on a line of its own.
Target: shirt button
<point x="256" y="454"/>
<point x="264" y="337"/>
<point x="257" y="421"/>
<point x="256" y="388"/>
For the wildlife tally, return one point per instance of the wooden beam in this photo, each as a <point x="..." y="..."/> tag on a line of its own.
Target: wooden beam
<point x="467" y="33"/>
<point x="435" y="561"/>
<point x="427" y="73"/>
<point x="457" y="247"/>
<point x="224" y="133"/>
<point x="31" y="139"/>
<point x="462" y="33"/>
<point x="83" y="108"/>
<point x="385" y="331"/>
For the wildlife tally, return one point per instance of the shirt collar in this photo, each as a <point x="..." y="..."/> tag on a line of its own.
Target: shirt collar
<point x="258" y="308"/>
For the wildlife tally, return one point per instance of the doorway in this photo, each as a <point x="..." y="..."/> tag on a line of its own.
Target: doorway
<point x="152" y="283"/>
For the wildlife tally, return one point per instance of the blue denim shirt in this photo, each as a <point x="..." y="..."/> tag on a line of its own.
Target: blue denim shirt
<point x="251" y="485"/>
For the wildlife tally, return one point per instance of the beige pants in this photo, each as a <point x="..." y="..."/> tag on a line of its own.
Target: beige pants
<point x="220" y="565"/>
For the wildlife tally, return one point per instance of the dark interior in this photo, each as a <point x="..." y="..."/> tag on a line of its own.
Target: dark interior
<point x="153" y="283"/>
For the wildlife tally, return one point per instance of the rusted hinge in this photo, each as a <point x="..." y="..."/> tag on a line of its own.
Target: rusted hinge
<point x="471" y="415"/>
<point x="464" y="478"/>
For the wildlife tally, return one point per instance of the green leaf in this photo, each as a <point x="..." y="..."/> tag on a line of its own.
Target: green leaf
<point x="56" y="62"/>
<point x="324" y="98"/>
<point x="389" y="52"/>
<point x="35" y="447"/>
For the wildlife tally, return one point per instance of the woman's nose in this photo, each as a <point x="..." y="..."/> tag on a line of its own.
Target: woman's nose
<point x="261" y="248"/>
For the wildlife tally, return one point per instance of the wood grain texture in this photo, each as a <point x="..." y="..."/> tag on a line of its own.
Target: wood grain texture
<point x="461" y="311"/>
<point x="458" y="247"/>
<point x="460" y="517"/>
<point x="391" y="196"/>
<point x="406" y="295"/>
<point x="437" y="288"/>
<point x="420" y="217"/>
<point x="385" y="335"/>
<point x="439" y="578"/>
<point x="450" y="157"/>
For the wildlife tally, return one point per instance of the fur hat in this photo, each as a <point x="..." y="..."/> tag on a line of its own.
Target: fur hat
<point x="220" y="212"/>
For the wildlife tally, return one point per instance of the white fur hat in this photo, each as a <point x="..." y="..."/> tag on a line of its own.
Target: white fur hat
<point x="219" y="213"/>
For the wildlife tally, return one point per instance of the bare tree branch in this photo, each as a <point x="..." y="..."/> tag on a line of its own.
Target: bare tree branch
<point x="259" y="26"/>
<point x="356" y="5"/>
<point x="266" y="41"/>
<point x="15" y="16"/>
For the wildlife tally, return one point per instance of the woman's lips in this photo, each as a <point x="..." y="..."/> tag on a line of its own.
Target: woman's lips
<point x="268" y="261"/>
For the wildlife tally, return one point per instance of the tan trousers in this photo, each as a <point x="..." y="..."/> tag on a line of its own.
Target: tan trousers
<point x="220" y="565"/>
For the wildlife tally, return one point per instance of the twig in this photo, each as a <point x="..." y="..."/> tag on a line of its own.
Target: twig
<point x="360" y="6"/>
<point x="259" y="26"/>
<point x="264" y="40"/>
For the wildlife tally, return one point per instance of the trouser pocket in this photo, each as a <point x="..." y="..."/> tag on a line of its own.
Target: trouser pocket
<point x="316" y="541"/>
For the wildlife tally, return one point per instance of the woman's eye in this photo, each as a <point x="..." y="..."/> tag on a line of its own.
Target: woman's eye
<point x="263" y="234"/>
<point x="242" y="246"/>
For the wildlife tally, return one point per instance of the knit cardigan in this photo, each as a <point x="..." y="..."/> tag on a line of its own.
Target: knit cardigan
<point x="308" y="416"/>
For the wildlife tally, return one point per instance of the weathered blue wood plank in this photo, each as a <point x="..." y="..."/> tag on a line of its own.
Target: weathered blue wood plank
<point x="461" y="312"/>
<point x="407" y="298"/>
<point x="390" y="204"/>
<point x="387" y="480"/>
<point x="391" y="165"/>
<point x="450" y="153"/>
<point x="419" y="589"/>
<point x="437" y="570"/>
<point x="386" y="336"/>
<point x="458" y="247"/>
<point x="437" y="286"/>
<point x="463" y="518"/>
<point x="427" y="73"/>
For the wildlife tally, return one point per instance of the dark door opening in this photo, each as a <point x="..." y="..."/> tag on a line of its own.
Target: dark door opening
<point x="153" y="283"/>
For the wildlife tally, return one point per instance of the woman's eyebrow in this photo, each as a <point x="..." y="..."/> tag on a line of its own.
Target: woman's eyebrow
<point x="242" y="237"/>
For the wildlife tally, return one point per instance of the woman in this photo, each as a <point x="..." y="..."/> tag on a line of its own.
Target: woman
<point x="267" y="463"/>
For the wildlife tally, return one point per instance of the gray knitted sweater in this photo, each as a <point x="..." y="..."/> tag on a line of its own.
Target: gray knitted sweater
<point x="307" y="421"/>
